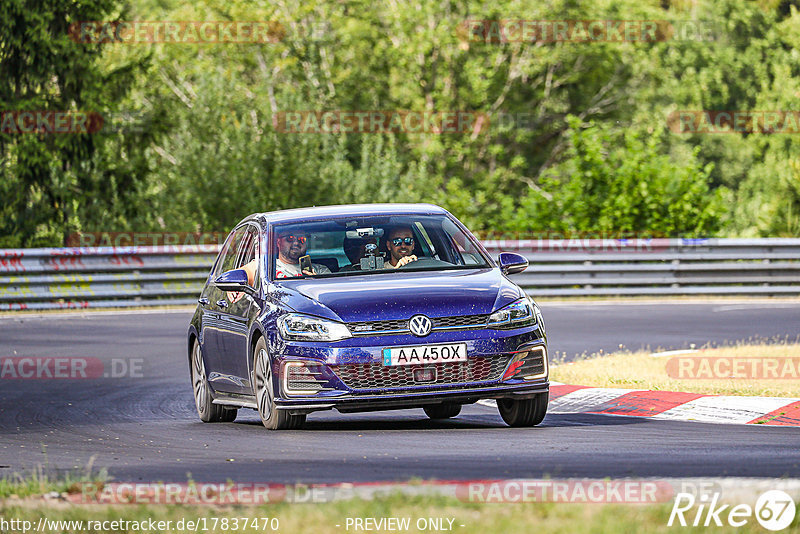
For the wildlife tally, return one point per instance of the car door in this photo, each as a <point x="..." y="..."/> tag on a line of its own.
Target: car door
<point x="213" y="325"/>
<point x="235" y="318"/>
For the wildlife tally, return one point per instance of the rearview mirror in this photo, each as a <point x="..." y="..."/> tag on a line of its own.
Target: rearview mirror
<point x="364" y="233"/>
<point x="512" y="263"/>
<point x="234" y="280"/>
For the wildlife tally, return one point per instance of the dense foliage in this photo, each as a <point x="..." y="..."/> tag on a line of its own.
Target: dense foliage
<point x="579" y="137"/>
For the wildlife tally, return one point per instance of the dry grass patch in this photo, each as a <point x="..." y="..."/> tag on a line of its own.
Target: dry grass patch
<point x="776" y="369"/>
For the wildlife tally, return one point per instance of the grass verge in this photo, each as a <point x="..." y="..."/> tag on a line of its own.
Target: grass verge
<point x="39" y="482"/>
<point x="332" y="517"/>
<point x="760" y="370"/>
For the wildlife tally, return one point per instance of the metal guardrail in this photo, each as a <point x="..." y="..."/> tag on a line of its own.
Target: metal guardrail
<point x="53" y="278"/>
<point x="605" y="267"/>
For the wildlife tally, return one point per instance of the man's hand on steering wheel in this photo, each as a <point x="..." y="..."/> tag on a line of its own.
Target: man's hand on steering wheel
<point x="405" y="260"/>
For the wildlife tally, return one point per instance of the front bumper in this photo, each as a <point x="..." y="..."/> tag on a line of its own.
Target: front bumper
<point x="333" y="367"/>
<point x="414" y="399"/>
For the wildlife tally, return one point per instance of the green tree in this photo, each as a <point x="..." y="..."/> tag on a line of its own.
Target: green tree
<point x="52" y="183"/>
<point x="619" y="182"/>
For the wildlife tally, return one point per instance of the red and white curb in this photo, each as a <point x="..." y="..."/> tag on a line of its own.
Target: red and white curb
<point x="673" y="405"/>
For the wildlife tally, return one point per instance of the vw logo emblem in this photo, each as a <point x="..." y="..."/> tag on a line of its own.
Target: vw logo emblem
<point x="420" y="325"/>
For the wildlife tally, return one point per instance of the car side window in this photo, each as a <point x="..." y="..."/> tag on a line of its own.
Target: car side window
<point x="248" y="256"/>
<point x="463" y="251"/>
<point x="229" y="252"/>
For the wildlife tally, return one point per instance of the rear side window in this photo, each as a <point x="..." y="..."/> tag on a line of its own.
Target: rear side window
<point x="229" y="252"/>
<point x="248" y="252"/>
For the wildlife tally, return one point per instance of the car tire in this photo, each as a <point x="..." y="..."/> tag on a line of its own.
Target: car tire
<point x="264" y="389"/>
<point x="206" y="409"/>
<point x="442" y="411"/>
<point x="523" y="412"/>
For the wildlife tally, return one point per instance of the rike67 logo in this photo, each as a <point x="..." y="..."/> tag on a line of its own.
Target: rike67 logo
<point x="774" y="510"/>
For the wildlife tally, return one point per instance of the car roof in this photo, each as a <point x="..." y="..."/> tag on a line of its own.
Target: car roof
<point x="349" y="210"/>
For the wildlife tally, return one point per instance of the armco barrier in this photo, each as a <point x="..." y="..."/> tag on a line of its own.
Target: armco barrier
<point x="141" y="276"/>
<point x="51" y="278"/>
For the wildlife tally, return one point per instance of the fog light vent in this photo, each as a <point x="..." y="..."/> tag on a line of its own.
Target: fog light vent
<point x="527" y="365"/>
<point x="300" y="378"/>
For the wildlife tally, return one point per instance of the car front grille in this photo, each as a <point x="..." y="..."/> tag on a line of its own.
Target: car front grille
<point x="378" y="376"/>
<point x="369" y="327"/>
<point x="400" y="326"/>
<point x="459" y="321"/>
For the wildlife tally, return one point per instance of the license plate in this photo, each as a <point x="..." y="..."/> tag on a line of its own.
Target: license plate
<point x="422" y="354"/>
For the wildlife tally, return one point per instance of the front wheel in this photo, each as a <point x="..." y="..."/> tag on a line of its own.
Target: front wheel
<point x="523" y="412"/>
<point x="271" y="416"/>
<point x="206" y="409"/>
<point x="442" y="411"/>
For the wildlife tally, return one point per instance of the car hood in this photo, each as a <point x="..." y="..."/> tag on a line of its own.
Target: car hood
<point x="399" y="295"/>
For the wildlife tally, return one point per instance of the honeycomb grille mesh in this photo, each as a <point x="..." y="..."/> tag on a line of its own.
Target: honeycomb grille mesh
<point x="368" y="326"/>
<point x="460" y="320"/>
<point x="378" y="376"/>
<point x="455" y="321"/>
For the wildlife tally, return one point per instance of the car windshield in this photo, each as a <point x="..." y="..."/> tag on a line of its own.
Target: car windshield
<point x="358" y="246"/>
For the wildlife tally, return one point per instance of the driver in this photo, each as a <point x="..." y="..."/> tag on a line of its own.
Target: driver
<point x="291" y="247"/>
<point x="400" y="244"/>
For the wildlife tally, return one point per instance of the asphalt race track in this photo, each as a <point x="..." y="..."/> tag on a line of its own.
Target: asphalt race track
<point x="145" y="428"/>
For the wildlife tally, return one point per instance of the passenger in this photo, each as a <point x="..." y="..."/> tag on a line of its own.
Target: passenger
<point x="400" y="245"/>
<point x="291" y="247"/>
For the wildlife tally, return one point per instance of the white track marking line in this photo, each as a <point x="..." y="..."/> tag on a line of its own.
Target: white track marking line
<point x="724" y="409"/>
<point x="586" y="400"/>
<point x="673" y="353"/>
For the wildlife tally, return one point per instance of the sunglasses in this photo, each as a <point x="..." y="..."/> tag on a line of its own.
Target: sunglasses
<point x="397" y="241"/>
<point x="292" y="238"/>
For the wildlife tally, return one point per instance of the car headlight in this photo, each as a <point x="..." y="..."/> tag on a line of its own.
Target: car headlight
<point x="516" y="314"/>
<point x="297" y="327"/>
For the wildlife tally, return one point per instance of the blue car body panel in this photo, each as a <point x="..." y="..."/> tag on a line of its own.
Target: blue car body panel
<point x="226" y="334"/>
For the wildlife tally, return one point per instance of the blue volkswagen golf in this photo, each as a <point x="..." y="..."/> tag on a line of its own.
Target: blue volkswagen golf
<point x="361" y="308"/>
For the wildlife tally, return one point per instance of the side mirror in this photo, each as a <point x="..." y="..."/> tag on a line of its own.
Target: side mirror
<point x="512" y="263"/>
<point x="234" y="280"/>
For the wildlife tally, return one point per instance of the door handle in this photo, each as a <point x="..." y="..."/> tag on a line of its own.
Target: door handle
<point x="222" y="303"/>
<point x="203" y="301"/>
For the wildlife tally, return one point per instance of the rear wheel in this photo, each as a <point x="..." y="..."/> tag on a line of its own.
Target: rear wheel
<point x="442" y="411"/>
<point x="263" y="383"/>
<point x="523" y="412"/>
<point x="206" y="409"/>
